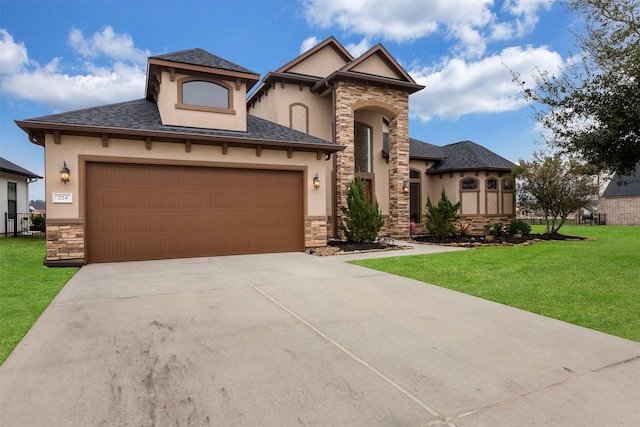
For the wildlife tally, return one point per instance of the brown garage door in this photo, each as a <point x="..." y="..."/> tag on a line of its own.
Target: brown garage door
<point x="141" y="212"/>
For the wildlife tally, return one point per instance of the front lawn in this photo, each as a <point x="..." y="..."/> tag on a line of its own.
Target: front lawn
<point x="595" y="284"/>
<point x="26" y="288"/>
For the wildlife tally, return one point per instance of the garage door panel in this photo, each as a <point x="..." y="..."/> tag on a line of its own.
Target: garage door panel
<point x="137" y="212"/>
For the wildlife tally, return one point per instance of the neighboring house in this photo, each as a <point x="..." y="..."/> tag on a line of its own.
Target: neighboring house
<point x="14" y="194"/>
<point x="621" y="200"/>
<point x="197" y="168"/>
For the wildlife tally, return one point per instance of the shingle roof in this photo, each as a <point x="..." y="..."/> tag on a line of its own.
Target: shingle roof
<point x="630" y="185"/>
<point x="417" y="149"/>
<point x="7" y="166"/>
<point x="469" y="155"/>
<point x="202" y="58"/>
<point x="143" y="115"/>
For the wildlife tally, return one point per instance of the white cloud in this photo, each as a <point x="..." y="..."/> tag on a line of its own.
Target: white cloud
<point x="94" y="84"/>
<point x="107" y="43"/>
<point x="471" y="22"/>
<point x="13" y="56"/>
<point x="308" y="43"/>
<point x="358" y="49"/>
<point x="526" y="13"/>
<point x="456" y="87"/>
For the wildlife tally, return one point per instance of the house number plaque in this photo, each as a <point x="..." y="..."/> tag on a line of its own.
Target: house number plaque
<point x="62" y="197"/>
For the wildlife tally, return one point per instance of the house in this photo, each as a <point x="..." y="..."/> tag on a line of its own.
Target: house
<point x="14" y="195"/>
<point x="620" y="201"/>
<point x="205" y="166"/>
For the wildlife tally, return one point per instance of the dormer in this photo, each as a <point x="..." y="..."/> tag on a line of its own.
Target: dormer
<point x="194" y="88"/>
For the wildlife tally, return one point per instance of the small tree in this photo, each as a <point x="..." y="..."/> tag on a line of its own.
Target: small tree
<point x="440" y="218"/>
<point x="555" y="186"/>
<point x="362" y="219"/>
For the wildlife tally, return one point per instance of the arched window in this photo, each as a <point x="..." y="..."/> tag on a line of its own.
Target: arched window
<point x="299" y="117"/>
<point x="205" y="95"/>
<point x="469" y="184"/>
<point x="492" y="184"/>
<point x="508" y="185"/>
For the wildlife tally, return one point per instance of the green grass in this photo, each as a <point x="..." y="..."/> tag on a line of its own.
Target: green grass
<point x="26" y="288"/>
<point x="595" y="284"/>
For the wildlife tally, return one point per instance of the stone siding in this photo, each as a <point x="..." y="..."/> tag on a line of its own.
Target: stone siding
<point x="65" y="242"/>
<point x="621" y="210"/>
<point x="315" y="231"/>
<point x="396" y="104"/>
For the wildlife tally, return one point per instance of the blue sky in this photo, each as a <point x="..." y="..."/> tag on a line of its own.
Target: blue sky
<point x="60" y="55"/>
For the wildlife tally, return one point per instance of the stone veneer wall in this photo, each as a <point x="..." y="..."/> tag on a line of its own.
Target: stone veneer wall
<point x="315" y="231"/>
<point x="621" y="210"/>
<point x="397" y="101"/>
<point x="478" y="222"/>
<point x="65" y="242"/>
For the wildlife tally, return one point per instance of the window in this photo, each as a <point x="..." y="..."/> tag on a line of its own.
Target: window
<point x="469" y="184"/>
<point x="492" y="184"/>
<point x="204" y="95"/>
<point x="11" y="200"/>
<point x="415" y="197"/>
<point x="362" y="148"/>
<point x="507" y="184"/>
<point x="299" y="117"/>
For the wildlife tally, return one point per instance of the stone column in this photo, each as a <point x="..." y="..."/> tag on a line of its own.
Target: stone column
<point x="344" y="136"/>
<point x="399" y="174"/>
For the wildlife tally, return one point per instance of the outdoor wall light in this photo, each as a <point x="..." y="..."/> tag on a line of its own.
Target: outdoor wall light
<point x="64" y="173"/>
<point x="316" y="182"/>
<point x="405" y="187"/>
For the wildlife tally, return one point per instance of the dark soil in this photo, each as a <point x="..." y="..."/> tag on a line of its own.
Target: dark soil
<point x="498" y="239"/>
<point x="351" y="247"/>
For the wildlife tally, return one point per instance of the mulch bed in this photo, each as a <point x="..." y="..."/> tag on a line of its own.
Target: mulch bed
<point x="505" y="240"/>
<point x="337" y="247"/>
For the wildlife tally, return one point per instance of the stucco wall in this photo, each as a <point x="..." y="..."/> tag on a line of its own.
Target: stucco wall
<point x="234" y="119"/>
<point x="77" y="151"/>
<point x="22" y="195"/>
<point x="320" y="64"/>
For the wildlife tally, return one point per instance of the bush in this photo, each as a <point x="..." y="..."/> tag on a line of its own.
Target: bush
<point x="519" y="227"/>
<point x="440" y="218"/>
<point x="38" y="223"/>
<point x="496" y="229"/>
<point x="362" y="219"/>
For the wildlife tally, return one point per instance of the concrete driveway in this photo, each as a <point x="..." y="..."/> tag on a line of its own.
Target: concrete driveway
<point x="298" y="340"/>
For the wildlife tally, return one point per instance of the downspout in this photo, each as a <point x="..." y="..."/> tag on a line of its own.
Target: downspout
<point x="334" y="175"/>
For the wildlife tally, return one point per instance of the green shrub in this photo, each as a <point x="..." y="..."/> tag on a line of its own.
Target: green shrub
<point x="496" y="229"/>
<point x="362" y="219"/>
<point x="519" y="227"/>
<point x="38" y="223"/>
<point x="440" y="218"/>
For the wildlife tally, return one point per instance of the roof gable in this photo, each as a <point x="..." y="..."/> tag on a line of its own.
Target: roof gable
<point x="320" y="61"/>
<point x="624" y="185"/>
<point x="378" y="61"/>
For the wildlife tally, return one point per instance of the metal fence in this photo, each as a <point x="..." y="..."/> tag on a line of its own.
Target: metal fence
<point x="24" y="224"/>
<point x="597" y="219"/>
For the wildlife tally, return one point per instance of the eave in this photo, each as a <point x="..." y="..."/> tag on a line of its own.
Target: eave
<point x="37" y="130"/>
<point x="476" y="168"/>
<point x="368" y="78"/>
